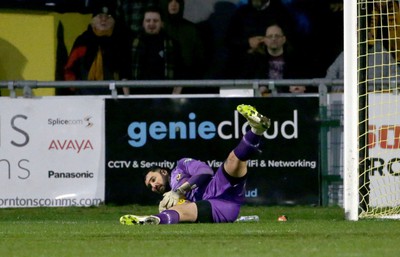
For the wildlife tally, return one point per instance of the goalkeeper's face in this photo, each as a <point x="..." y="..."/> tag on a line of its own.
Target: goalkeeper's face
<point x="157" y="181"/>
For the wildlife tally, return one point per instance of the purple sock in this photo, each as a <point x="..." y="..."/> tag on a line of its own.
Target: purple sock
<point x="248" y="146"/>
<point x="252" y="138"/>
<point x="168" y="217"/>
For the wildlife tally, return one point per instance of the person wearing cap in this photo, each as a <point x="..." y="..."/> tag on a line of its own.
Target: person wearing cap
<point x="99" y="53"/>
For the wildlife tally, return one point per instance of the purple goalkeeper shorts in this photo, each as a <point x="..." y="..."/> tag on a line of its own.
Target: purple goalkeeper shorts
<point x="225" y="198"/>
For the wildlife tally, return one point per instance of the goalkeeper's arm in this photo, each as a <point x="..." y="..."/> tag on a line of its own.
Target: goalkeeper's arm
<point x="193" y="182"/>
<point x="171" y="198"/>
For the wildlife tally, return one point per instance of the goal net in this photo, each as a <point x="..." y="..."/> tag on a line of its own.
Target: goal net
<point x="372" y="109"/>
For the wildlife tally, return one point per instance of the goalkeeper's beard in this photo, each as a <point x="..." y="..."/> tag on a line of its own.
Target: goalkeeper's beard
<point x="166" y="188"/>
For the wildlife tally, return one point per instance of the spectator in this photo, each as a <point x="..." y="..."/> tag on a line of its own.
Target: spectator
<point x="275" y="59"/>
<point x="247" y="27"/>
<point x="336" y="71"/>
<point x="155" y="56"/>
<point x="130" y="13"/>
<point x="186" y="35"/>
<point x="98" y="53"/>
<point x="381" y="65"/>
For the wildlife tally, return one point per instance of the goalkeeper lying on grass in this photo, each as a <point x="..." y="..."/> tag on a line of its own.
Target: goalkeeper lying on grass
<point x="193" y="193"/>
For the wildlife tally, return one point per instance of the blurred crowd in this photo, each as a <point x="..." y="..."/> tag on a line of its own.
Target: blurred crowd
<point x="253" y="39"/>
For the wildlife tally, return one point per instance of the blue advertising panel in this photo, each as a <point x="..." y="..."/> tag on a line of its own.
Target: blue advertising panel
<point x="160" y="131"/>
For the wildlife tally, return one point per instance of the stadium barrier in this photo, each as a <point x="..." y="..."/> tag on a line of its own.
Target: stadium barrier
<point x="224" y="85"/>
<point x="329" y="118"/>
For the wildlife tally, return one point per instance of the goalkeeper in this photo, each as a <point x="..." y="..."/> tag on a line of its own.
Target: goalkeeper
<point x="193" y="193"/>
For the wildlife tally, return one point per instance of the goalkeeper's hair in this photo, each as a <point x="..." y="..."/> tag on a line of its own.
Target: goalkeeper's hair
<point x="154" y="168"/>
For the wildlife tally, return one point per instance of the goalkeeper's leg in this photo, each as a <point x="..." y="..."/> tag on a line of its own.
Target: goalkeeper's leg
<point x="250" y="144"/>
<point x="258" y="122"/>
<point x="186" y="212"/>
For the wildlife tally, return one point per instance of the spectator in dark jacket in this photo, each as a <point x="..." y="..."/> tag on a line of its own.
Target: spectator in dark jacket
<point x="99" y="53"/>
<point x="186" y="34"/>
<point x="155" y="56"/>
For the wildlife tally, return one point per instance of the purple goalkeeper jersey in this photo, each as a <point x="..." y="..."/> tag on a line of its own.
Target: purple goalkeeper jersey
<point x="224" y="197"/>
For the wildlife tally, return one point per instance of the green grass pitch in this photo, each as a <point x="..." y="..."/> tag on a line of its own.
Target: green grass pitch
<point x="95" y="231"/>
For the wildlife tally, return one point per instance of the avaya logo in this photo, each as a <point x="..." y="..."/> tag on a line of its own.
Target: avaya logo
<point x="74" y="145"/>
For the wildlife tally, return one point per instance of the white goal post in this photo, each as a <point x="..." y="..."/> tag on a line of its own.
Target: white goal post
<point x="371" y="109"/>
<point x="350" y="111"/>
